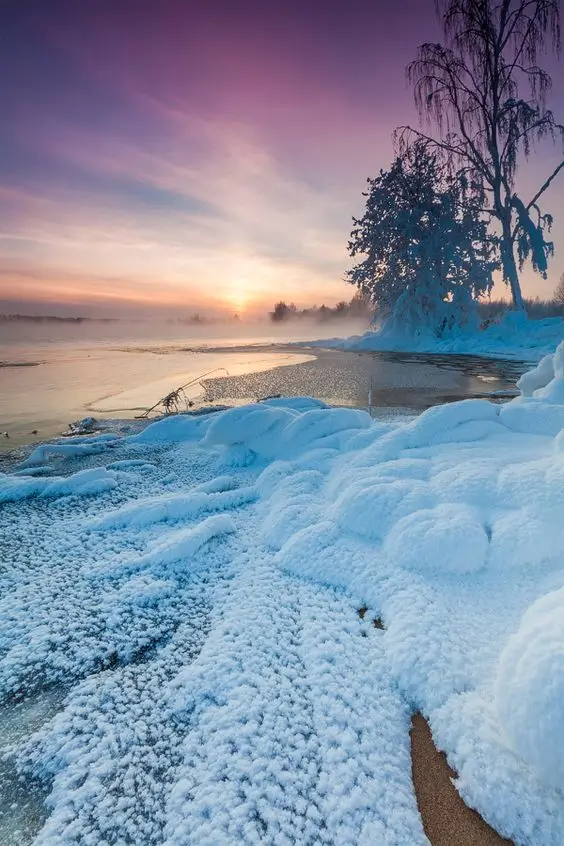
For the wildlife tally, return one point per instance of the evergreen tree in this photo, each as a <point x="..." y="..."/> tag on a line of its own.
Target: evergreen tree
<point x="425" y="256"/>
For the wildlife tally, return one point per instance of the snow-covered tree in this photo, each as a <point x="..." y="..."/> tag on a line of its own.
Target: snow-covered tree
<point x="483" y="93"/>
<point x="423" y="249"/>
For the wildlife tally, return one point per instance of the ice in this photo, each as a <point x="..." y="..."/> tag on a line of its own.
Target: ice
<point x="201" y="606"/>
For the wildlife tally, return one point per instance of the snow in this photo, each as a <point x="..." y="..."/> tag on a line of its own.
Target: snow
<point x="196" y="589"/>
<point x="514" y="337"/>
<point x="449" y="538"/>
<point x="84" y="483"/>
<point x="530" y="688"/>
<point x="538" y="377"/>
<point x="79" y="446"/>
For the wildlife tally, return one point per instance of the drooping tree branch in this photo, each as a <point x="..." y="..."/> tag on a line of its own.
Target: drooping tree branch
<point x="484" y="93"/>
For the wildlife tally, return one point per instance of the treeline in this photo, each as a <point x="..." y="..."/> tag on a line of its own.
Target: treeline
<point x="358" y="307"/>
<point x="50" y="318"/>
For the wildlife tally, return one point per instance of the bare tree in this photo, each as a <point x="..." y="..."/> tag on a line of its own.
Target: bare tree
<point x="485" y="94"/>
<point x="559" y="292"/>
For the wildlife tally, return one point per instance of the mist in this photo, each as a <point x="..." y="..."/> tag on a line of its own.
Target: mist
<point x="38" y="331"/>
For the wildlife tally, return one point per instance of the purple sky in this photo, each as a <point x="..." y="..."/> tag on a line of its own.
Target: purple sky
<point x="171" y="156"/>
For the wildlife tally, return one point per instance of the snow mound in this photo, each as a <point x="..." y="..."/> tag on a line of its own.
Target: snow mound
<point x="553" y="391"/>
<point x="533" y="417"/>
<point x="178" y="547"/>
<point x="174" y="429"/>
<point x="78" y="447"/>
<point x="538" y="377"/>
<point x="451" y="422"/>
<point x="84" y="483"/>
<point x="271" y="432"/>
<point x="530" y="688"/>
<point x="524" y="537"/>
<point x="172" y="507"/>
<point x="540" y="408"/>
<point x="538" y="484"/>
<point x="447" y="539"/>
<point x="370" y="510"/>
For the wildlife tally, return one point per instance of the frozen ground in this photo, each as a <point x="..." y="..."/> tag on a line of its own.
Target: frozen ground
<point x="182" y="658"/>
<point x="515" y="337"/>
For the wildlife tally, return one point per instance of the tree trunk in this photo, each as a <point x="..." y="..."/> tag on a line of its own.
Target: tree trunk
<point x="509" y="264"/>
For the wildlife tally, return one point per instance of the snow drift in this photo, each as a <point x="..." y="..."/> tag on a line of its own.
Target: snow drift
<point x="513" y="337"/>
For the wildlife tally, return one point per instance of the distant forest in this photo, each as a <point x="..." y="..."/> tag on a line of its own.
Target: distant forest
<point x="358" y="307"/>
<point x="38" y="318"/>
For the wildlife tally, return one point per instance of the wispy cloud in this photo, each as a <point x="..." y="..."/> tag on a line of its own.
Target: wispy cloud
<point x="240" y="226"/>
<point x="203" y="160"/>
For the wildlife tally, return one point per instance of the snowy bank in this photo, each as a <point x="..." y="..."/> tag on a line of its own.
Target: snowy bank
<point x="515" y="337"/>
<point x="201" y="612"/>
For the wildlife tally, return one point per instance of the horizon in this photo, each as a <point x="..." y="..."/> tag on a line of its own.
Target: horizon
<point x="168" y="158"/>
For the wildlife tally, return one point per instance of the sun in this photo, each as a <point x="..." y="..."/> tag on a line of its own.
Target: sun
<point x="238" y="301"/>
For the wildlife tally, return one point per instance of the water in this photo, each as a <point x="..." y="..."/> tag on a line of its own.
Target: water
<point x="53" y="374"/>
<point x="56" y="373"/>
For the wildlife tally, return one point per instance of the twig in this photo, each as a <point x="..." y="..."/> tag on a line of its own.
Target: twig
<point x="170" y="401"/>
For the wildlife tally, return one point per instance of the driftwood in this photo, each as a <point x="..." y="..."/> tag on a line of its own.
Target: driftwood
<point x="172" y="403"/>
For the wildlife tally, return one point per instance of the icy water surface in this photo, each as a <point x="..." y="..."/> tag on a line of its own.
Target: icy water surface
<point x="44" y="388"/>
<point x="404" y="382"/>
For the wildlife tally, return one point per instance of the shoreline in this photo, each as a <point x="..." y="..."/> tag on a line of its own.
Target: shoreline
<point x="399" y="382"/>
<point x="48" y="401"/>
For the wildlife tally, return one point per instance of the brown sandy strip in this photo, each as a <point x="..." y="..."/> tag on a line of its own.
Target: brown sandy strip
<point x="446" y="819"/>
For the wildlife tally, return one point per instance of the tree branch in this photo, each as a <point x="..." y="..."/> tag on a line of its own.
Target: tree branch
<point x="545" y="185"/>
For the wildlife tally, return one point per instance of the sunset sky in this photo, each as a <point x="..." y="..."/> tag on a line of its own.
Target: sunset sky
<point x="172" y="156"/>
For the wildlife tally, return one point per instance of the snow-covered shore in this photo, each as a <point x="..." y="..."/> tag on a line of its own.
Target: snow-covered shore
<point x="515" y="337"/>
<point x="193" y="591"/>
